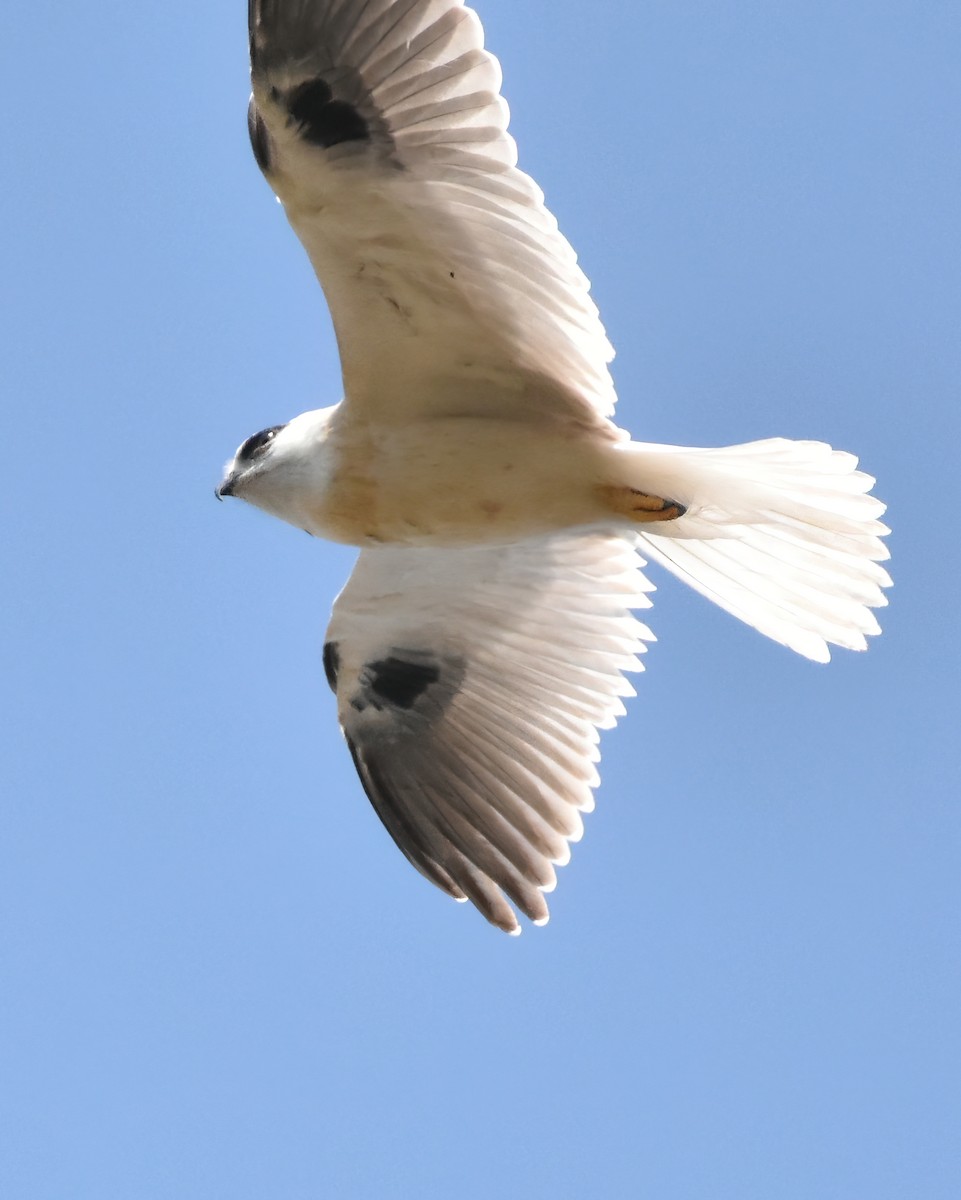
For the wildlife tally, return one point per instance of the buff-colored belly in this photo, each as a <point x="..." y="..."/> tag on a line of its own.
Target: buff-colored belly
<point x="460" y="481"/>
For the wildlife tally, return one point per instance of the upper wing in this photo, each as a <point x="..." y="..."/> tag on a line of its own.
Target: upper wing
<point x="470" y="686"/>
<point x="379" y="125"/>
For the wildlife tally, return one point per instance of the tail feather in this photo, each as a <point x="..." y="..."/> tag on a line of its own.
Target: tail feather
<point x="781" y="534"/>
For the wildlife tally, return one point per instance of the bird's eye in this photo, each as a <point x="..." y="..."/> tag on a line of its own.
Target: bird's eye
<point x="257" y="443"/>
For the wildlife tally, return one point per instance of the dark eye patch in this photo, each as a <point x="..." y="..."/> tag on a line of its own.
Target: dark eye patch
<point x="255" y="444"/>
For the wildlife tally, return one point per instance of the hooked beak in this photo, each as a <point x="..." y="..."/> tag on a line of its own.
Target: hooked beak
<point x="226" y="488"/>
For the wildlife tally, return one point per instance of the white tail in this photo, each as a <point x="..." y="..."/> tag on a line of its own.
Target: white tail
<point x="781" y="534"/>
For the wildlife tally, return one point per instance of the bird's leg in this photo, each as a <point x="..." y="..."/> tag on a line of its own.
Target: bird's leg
<point x="639" y="506"/>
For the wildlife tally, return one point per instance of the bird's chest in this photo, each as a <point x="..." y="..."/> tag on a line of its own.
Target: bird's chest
<point x="383" y="489"/>
<point x="451" y="482"/>
<point x="343" y="501"/>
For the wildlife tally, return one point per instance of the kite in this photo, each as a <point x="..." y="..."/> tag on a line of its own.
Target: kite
<point x="503" y="519"/>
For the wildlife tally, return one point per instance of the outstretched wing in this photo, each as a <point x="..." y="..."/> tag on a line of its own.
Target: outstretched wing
<point x="470" y="687"/>
<point x="380" y="126"/>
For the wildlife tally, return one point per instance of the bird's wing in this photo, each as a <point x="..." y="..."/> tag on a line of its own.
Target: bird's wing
<point x="470" y="687"/>
<point x="379" y="125"/>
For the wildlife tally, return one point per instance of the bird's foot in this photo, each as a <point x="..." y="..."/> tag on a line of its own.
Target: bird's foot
<point x="639" y="506"/>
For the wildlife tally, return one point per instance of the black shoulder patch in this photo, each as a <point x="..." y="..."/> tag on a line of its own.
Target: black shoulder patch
<point x="399" y="681"/>
<point x="259" y="137"/>
<point x="323" y="120"/>
<point x="331" y="663"/>
<point x="409" y="686"/>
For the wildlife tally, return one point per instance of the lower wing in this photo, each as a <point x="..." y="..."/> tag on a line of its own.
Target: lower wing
<point x="470" y="687"/>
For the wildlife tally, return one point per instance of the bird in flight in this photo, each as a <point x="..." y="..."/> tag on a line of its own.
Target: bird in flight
<point x="502" y="517"/>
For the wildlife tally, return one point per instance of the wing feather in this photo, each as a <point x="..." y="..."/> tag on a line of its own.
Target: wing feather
<point x="381" y="128"/>
<point x="470" y="686"/>
<point x="418" y="843"/>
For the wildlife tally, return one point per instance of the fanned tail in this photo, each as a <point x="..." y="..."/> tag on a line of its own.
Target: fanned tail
<point x="781" y="534"/>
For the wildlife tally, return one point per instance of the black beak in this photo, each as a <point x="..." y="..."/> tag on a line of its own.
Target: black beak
<point x="225" y="489"/>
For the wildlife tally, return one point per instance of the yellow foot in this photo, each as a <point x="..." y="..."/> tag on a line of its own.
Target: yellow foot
<point x="639" y="506"/>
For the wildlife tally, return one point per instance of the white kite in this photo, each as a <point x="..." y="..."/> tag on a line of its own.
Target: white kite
<point x="481" y="640"/>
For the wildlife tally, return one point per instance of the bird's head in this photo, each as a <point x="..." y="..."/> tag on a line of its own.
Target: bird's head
<point x="281" y="467"/>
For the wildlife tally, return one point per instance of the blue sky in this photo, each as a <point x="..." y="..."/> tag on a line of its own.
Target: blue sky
<point x="219" y="978"/>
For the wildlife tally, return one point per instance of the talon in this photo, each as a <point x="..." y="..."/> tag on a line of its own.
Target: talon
<point x="640" y="506"/>
<point x="670" y="510"/>
<point x="662" y="510"/>
<point x="642" y="502"/>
